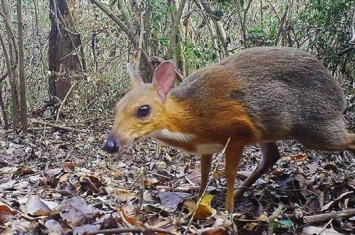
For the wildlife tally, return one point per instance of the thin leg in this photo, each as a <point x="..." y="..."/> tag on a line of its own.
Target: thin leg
<point x="351" y="143"/>
<point x="233" y="156"/>
<point x="270" y="155"/>
<point x="206" y="161"/>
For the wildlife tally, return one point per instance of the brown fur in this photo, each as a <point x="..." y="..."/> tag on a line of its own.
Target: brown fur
<point x="259" y="95"/>
<point x="269" y="93"/>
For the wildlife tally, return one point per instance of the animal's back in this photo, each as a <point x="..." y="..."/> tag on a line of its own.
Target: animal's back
<point x="284" y="91"/>
<point x="257" y="96"/>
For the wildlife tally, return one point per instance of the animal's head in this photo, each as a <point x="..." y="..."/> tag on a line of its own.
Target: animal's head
<point x="141" y="111"/>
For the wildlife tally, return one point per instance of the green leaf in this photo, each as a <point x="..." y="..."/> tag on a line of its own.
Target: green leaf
<point x="319" y="4"/>
<point x="164" y="40"/>
<point x="286" y="224"/>
<point x="112" y="2"/>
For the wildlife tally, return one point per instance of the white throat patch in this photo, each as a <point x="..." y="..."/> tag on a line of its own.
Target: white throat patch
<point x="171" y="135"/>
<point x="209" y="148"/>
<point x="186" y="138"/>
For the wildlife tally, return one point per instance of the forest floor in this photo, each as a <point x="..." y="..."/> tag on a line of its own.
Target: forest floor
<point x="56" y="179"/>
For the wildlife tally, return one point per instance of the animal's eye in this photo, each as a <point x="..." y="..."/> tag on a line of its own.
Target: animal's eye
<point x="143" y="111"/>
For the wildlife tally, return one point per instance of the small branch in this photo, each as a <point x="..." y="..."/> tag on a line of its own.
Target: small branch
<point x="281" y="26"/>
<point x="352" y="40"/>
<point x="221" y="33"/>
<point x="219" y="158"/>
<point x="345" y="51"/>
<point x="244" y="27"/>
<point x="123" y="8"/>
<point x="141" y="192"/>
<point x="321" y="218"/>
<point x="189" y="189"/>
<point x="65" y="99"/>
<point x="125" y="29"/>
<point x="132" y="230"/>
<point x="140" y="43"/>
<point x="325" y="226"/>
<point x="55" y="126"/>
<point x="3" y="76"/>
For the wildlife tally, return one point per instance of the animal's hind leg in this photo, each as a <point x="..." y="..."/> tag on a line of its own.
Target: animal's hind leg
<point x="270" y="155"/>
<point x="350" y="143"/>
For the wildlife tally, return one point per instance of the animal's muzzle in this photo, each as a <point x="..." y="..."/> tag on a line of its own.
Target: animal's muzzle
<point x="111" y="146"/>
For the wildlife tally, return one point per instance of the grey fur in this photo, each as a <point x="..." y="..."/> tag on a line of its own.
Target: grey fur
<point x="286" y="91"/>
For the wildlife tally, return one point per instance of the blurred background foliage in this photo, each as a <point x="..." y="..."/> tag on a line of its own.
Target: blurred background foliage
<point x="193" y="34"/>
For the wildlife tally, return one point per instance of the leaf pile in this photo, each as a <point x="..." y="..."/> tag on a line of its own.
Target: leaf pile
<point x="58" y="180"/>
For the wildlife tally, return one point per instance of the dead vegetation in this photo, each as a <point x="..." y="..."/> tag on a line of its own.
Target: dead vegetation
<point x="57" y="180"/>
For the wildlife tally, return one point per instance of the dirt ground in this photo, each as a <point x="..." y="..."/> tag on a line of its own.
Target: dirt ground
<point x="56" y="179"/>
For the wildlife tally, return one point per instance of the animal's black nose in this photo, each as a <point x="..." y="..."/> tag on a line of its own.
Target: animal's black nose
<point x="111" y="146"/>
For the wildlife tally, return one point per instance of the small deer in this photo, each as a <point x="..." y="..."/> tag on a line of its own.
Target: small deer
<point x="257" y="96"/>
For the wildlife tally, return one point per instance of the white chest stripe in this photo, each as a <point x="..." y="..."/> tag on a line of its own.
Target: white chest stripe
<point x="166" y="134"/>
<point x="209" y="148"/>
<point x="182" y="137"/>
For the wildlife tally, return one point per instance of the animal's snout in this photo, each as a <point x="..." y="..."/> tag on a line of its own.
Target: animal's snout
<point x="111" y="146"/>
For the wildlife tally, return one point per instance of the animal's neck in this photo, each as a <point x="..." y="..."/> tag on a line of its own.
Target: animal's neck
<point x="209" y="125"/>
<point x="176" y="125"/>
<point x="179" y="118"/>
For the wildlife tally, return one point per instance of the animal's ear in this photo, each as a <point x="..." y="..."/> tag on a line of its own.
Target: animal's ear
<point x="136" y="80"/>
<point x="164" y="78"/>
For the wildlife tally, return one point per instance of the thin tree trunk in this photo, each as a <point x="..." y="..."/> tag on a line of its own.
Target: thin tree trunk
<point x="175" y="29"/>
<point x="221" y="34"/>
<point x="244" y="25"/>
<point x="22" y="80"/>
<point x="8" y="65"/>
<point x="3" y="111"/>
<point x="66" y="58"/>
<point x="12" y="64"/>
<point x="243" y="18"/>
<point x="281" y="29"/>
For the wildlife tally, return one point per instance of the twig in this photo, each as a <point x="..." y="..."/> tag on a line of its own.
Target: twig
<point x="131" y="230"/>
<point x="219" y="158"/>
<point x="345" y="51"/>
<point x="281" y="26"/>
<point x="325" y="226"/>
<point x="178" y="189"/>
<point x="55" y="126"/>
<point x="39" y="128"/>
<point x="320" y="218"/>
<point x="352" y="40"/>
<point x="65" y="99"/>
<point x="221" y="34"/>
<point x="141" y="192"/>
<point x="67" y="157"/>
<point x="140" y="42"/>
<point x="161" y="175"/>
<point x="125" y="29"/>
<point x="3" y="76"/>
